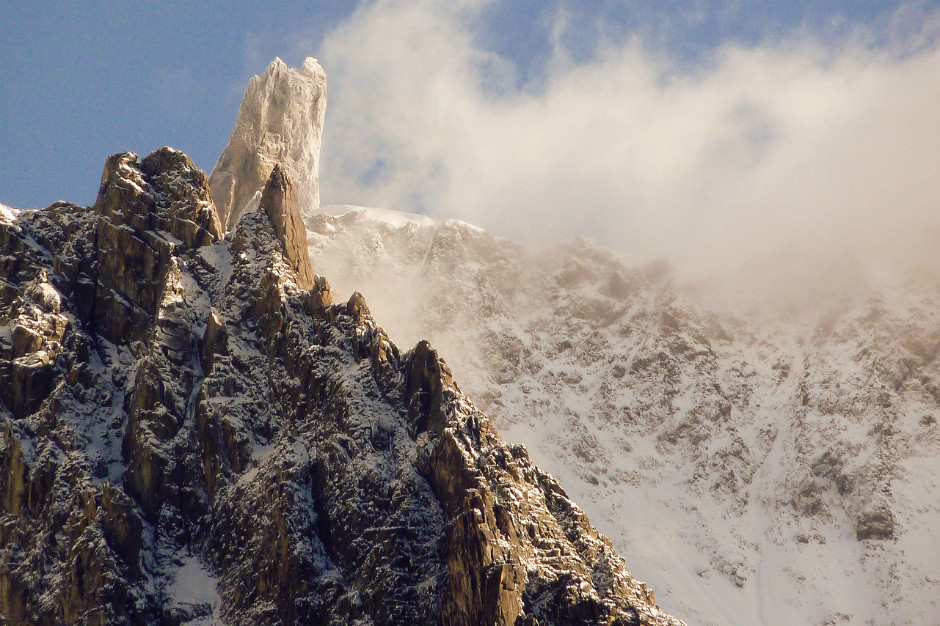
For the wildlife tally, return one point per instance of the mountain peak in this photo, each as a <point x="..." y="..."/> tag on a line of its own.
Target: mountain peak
<point x="280" y="121"/>
<point x="312" y="67"/>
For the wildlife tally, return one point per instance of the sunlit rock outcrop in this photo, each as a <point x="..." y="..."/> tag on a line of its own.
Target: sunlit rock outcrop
<point x="280" y="121"/>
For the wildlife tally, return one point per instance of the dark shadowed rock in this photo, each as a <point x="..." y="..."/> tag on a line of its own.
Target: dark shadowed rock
<point x="874" y="523"/>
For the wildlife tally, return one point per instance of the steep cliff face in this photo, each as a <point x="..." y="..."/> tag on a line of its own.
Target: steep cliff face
<point x="194" y="431"/>
<point x="280" y="121"/>
<point x="279" y="202"/>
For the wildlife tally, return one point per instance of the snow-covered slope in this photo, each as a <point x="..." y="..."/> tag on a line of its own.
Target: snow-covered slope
<point x="755" y="470"/>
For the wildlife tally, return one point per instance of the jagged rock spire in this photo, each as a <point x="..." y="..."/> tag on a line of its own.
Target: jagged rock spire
<point x="279" y="201"/>
<point x="280" y="121"/>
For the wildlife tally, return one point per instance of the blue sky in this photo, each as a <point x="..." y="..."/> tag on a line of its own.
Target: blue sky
<point x="84" y="79"/>
<point x="626" y="121"/>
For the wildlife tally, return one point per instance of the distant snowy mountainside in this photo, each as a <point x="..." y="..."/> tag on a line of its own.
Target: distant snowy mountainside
<point x="755" y="470"/>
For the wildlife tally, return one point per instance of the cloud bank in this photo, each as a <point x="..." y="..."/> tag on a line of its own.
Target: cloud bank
<point x="789" y="146"/>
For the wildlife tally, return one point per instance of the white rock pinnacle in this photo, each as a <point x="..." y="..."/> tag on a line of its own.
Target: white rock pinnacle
<point x="280" y="120"/>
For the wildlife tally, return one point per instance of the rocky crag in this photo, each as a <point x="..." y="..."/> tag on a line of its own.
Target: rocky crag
<point x="194" y="432"/>
<point x="280" y="122"/>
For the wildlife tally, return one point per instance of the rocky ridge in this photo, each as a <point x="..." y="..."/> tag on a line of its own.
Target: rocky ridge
<point x="194" y="432"/>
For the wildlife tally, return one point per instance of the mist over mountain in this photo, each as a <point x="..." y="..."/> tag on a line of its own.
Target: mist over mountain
<point x="759" y="440"/>
<point x="758" y="467"/>
<point x="791" y="148"/>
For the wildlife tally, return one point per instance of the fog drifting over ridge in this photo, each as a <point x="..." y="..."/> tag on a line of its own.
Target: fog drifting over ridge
<point x="788" y="146"/>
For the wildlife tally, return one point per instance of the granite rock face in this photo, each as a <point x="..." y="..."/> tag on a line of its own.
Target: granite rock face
<point x="279" y="201"/>
<point x="147" y="209"/>
<point x="205" y="436"/>
<point x="280" y="121"/>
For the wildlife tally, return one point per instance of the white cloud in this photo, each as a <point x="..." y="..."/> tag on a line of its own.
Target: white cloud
<point x="791" y="144"/>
